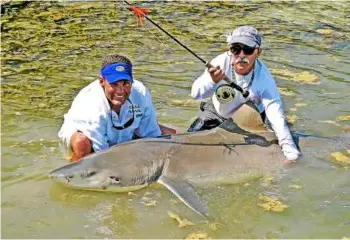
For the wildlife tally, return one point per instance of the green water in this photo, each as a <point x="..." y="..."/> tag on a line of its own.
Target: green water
<point x="50" y="50"/>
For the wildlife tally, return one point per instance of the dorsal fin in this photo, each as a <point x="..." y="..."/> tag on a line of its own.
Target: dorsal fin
<point x="251" y="138"/>
<point x="230" y="126"/>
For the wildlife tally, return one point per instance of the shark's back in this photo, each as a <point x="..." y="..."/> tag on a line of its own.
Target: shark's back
<point x="222" y="153"/>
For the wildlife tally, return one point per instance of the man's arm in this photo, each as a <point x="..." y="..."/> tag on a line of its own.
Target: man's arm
<point x="90" y="122"/>
<point x="275" y="114"/>
<point x="205" y="85"/>
<point x="167" y="130"/>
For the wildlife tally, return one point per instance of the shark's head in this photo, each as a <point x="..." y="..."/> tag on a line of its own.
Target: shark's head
<point x="98" y="172"/>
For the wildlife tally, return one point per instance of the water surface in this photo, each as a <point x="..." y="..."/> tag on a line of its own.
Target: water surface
<point x="50" y="50"/>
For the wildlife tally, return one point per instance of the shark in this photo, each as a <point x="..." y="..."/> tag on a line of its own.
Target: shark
<point x="226" y="154"/>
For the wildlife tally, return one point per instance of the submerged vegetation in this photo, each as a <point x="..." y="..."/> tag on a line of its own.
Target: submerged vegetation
<point x="51" y="49"/>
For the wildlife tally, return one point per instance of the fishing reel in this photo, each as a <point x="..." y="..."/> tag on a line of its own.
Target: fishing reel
<point x="225" y="93"/>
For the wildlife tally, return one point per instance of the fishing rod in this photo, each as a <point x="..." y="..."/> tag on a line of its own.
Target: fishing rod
<point x="141" y="13"/>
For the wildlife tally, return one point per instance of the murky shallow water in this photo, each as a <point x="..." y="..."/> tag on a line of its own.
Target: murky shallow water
<point x="51" y="50"/>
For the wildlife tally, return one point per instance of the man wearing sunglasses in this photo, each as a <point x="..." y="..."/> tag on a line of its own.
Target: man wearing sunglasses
<point x="241" y="64"/>
<point x="111" y="110"/>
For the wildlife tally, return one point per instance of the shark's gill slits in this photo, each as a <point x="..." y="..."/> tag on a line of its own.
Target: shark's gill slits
<point x="148" y="173"/>
<point x="156" y="173"/>
<point x="140" y="178"/>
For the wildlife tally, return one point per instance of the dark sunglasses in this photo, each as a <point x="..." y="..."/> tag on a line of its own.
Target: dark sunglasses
<point x="236" y="49"/>
<point x="129" y="122"/>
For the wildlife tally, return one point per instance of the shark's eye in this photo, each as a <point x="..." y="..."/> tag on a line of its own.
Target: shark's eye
<point x="114" y="179"/>
<point x="88" y="173"/>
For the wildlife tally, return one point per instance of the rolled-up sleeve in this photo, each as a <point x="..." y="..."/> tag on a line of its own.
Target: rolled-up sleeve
<point x="92" y="125"/>
<point x="95" y="130"/>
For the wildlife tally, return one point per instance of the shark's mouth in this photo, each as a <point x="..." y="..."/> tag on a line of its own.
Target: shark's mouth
<point x="106" y="185"/>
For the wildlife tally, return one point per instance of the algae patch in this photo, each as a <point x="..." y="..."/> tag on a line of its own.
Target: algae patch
<point x="286" y="92"/>
<point x="182" y="222"/>
<point x="340" y="158"/>
<point x="324" y="31"/>
<point x="302" y="77"/>
<point x="271" y="204"/>
<point x="295" y="186"/>
<point x="343" y="118"/>
<point x="197" y="236"/>
<point x="184" y="103"/>
<point x="267" y="181"/>
<point x="292" y="118"/>
<point x="298" y="105"/>
<point x="306" y="77"/>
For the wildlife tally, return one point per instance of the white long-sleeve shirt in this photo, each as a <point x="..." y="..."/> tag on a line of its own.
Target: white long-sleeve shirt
<point x="262" y="91"/>
<point x="91" y="114"/>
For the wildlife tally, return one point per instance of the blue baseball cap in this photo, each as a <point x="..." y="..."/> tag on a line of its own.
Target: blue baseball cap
<point x="116" y="72"/>
<point x="246" y="35"/>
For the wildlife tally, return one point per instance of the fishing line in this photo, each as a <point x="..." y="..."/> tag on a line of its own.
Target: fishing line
<point x="168" y="49"/>
<point x="142" y="13"/>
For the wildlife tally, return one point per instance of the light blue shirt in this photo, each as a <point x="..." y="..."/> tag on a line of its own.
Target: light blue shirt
<point x="91" y="114"/>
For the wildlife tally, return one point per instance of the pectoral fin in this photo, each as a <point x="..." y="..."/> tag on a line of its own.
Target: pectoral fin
<point x="186" y="192"/>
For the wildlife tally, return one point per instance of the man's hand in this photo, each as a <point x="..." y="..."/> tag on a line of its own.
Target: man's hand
<point x="288" y="163"/>
<point x="291" y="154"/>
<point x="167" y="130"/>
<point x="216" y="74"/>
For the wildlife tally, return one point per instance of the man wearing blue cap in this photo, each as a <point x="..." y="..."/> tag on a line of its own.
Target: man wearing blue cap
<point x="109" y="111"/>
<point x="241" y="64"/>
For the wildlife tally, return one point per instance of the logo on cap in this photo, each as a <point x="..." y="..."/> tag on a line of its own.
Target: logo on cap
<point x="120" y="69"/>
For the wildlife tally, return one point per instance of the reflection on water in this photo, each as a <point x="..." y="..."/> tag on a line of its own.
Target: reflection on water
<point x="50" y="50"/>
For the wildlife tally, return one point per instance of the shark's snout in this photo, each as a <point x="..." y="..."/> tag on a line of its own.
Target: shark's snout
<point x="87" y="176"/>
<point x="67" y="171"/>
<point x="61" y="177"/>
